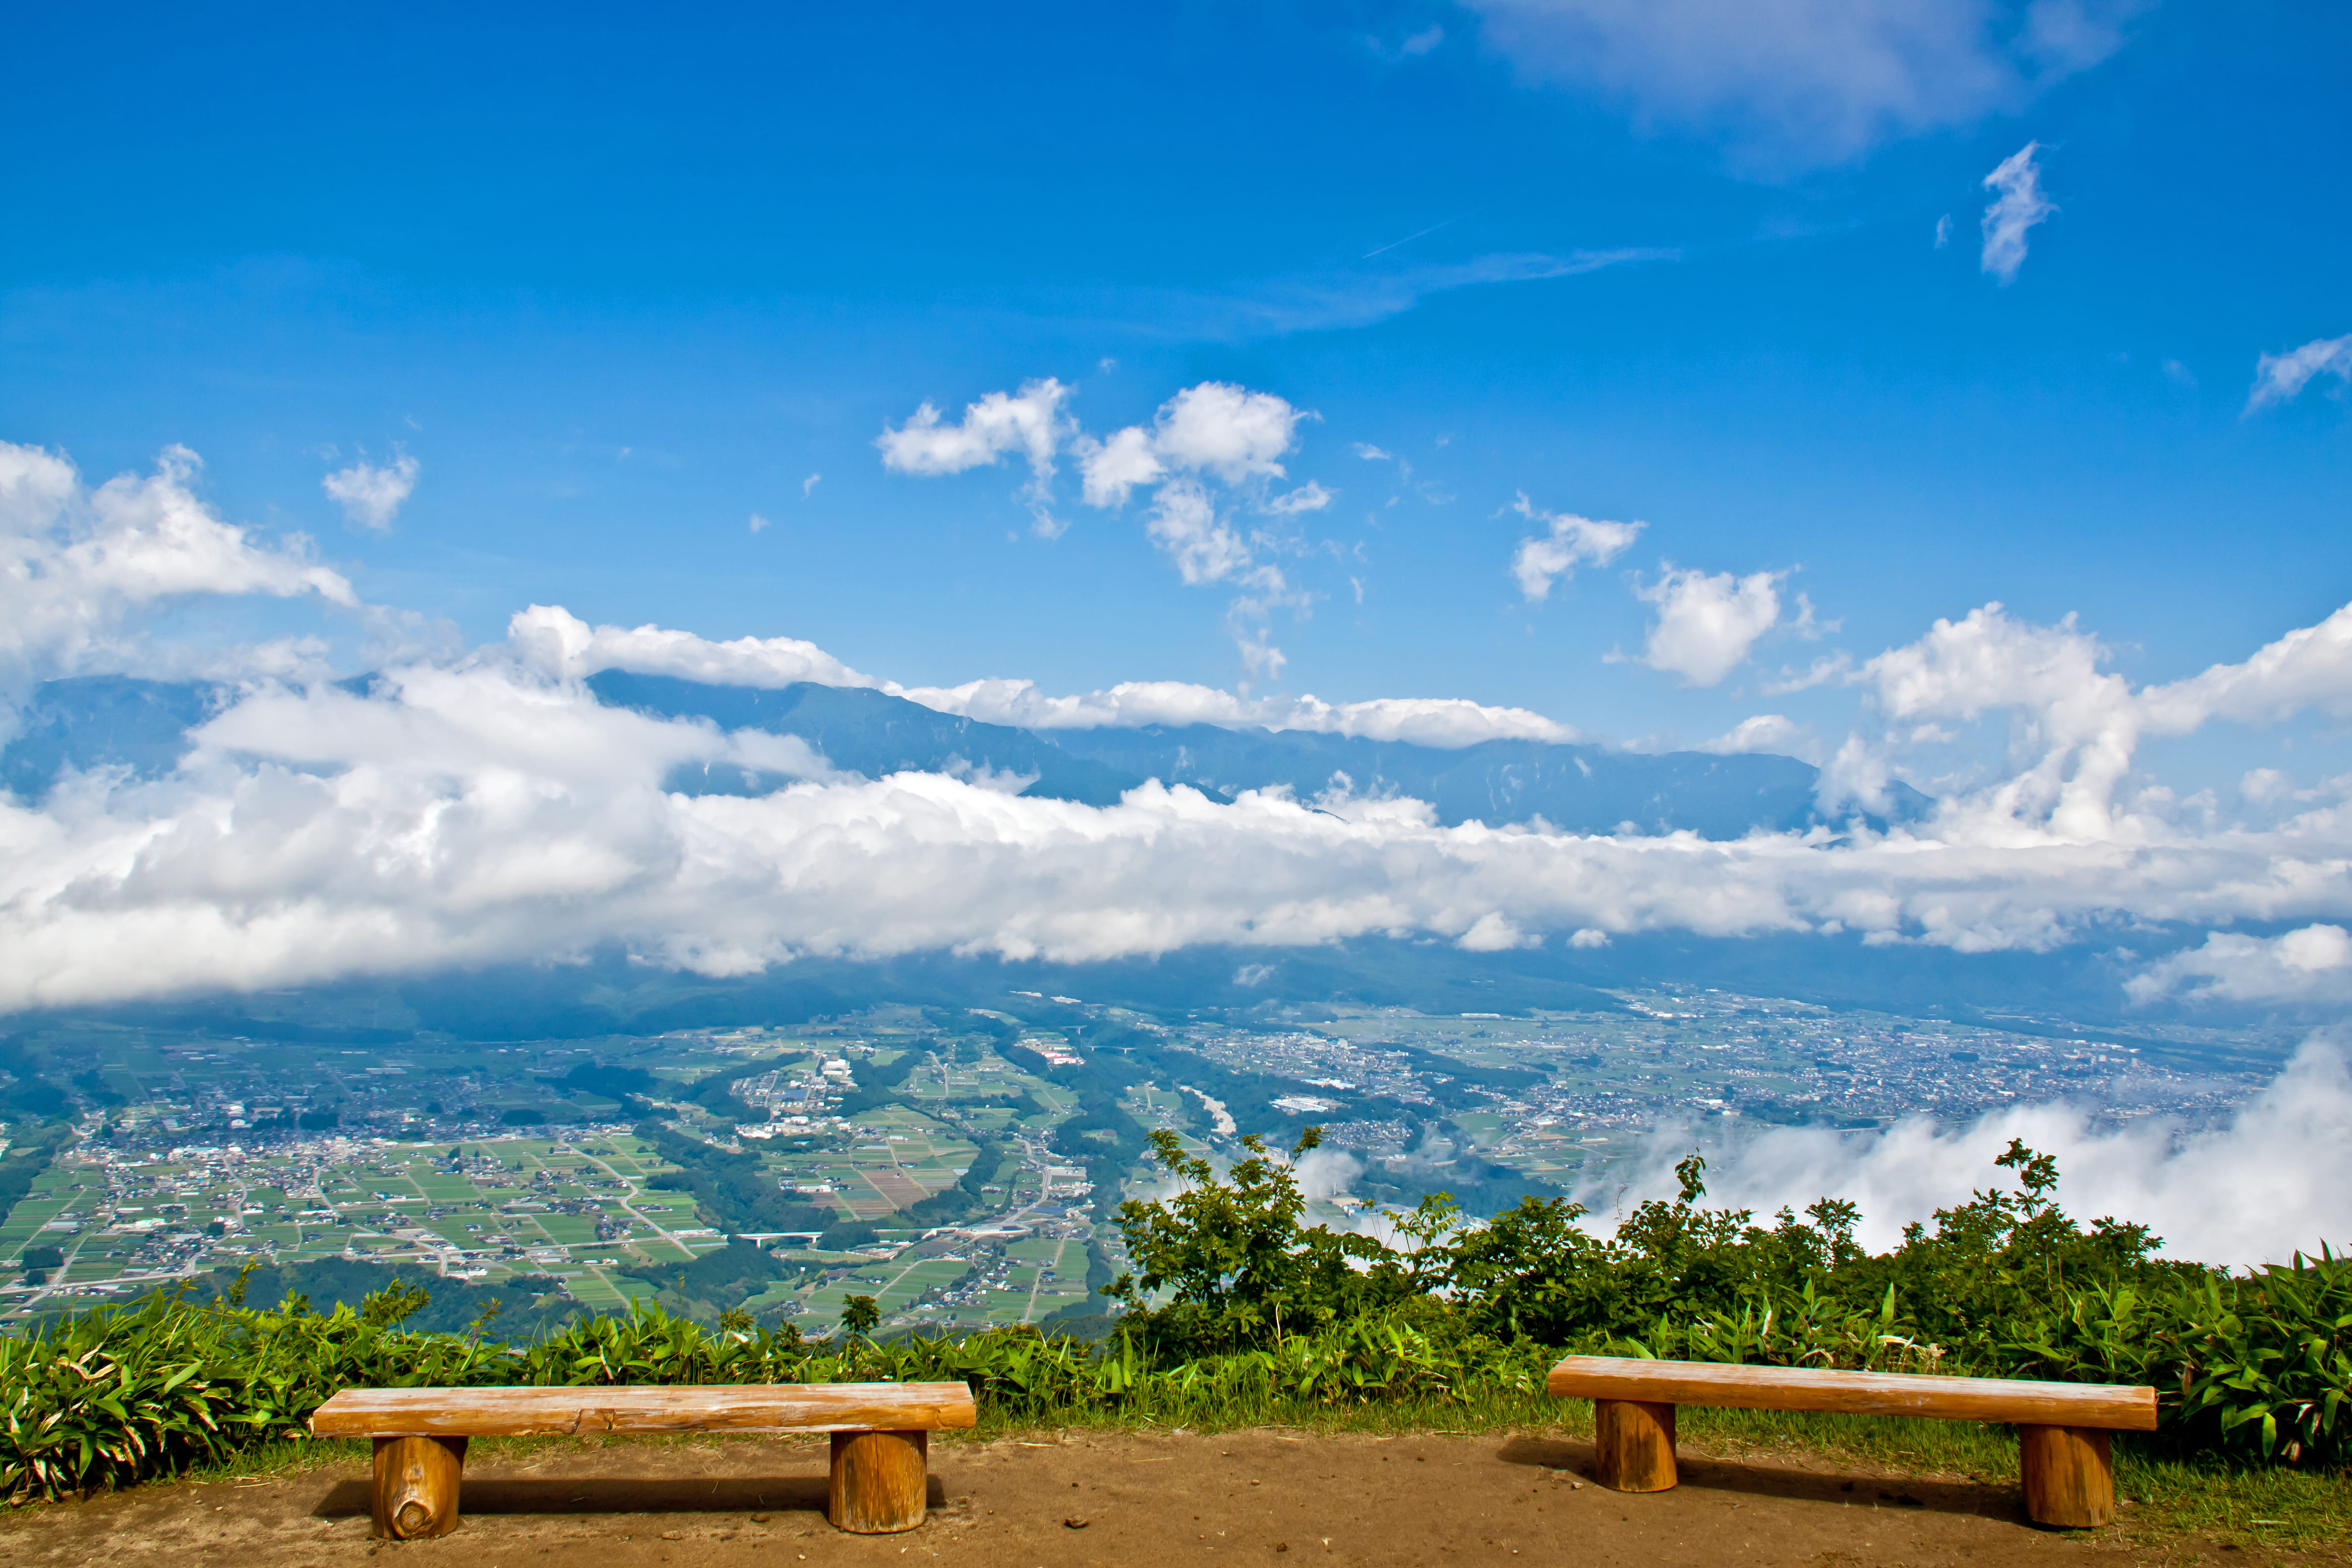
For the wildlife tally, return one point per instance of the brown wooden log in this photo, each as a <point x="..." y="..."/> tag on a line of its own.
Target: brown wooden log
<point x="878" y="1481"/>
<point x="2070" y="1479"/>
<point x="1854" y="1393"/>
<point x="710" y="1407"/>
<point x="1634" y="1441"/>
<point x="415" y="1492"/>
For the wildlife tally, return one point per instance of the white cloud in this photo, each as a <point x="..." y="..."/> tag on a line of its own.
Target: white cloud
<point x="2313" y="965"/>
<point x="550" y="638"/>
<point x="2256" y="1189"/>
<point x="1943" y="231"/>
<point x="1308" y="497"/>
<point x="2075" y="727"/>
<point x="492" y="811"/>
<point x="1762" y="733"/>
<point x="1791" y="83"/>
<point x="1227" y="430"/>
<point x="759" y="523"/>
<point x="1184" y="522"/>
<point x="1491" y="933"/>
<point x="809" y="485"/>
<point x="1215" y="427"/>
<point x="2018" y="207"/>
<point x="1568" y="541"/>
<point x="2278" y="377"/>
<point x="78" y="564"/>
<point x="1370" y="453"/>
<point x="1707" y="624"/>
<point x="1030" y="422"/>
<point x="372" y="497"/>
<point x="1112" y="469"/>
<point x="1421" y="720"/>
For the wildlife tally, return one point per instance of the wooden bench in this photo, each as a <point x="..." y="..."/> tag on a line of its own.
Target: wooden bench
<point x="2062" y="1426"/>
<point x="881" y="1436"/>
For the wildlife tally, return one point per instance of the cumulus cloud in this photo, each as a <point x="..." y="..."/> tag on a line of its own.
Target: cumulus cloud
<point x="2313" y="965"/>
<point x="1706" y="624"/>
<point x="2278" y="377"/>
<point x="1791" y="83"/>
<point x="1215" y="427"/>
<point x="1030" y="422"/>
<point x="371" y="495"/>
<point x="553" y="639"/>
<point x="1184" y="522"/>
<point x="2018" y="206"/>
<point x="1762" y="733"/>
<point x="78" y="564"/>
<point x="2256" y="1189"/>
<point x="1567" y="541"/>
<point x="1213" y="434"/>
<point x="2075" y="726"/>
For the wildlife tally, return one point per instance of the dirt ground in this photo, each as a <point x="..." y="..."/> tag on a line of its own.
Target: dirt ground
<point x="1095" y="1497"/>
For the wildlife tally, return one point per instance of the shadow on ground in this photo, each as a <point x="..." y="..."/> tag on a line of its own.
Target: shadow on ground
<point x="1754" y="1478"/>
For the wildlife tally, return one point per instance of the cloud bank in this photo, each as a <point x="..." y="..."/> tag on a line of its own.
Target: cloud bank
<point x="2270" y="1180"/>
<point x="473" y="807"/>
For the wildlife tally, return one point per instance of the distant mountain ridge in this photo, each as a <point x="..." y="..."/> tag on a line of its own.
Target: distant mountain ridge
<point x="1574" y="788"/>
<point x="94" y="721"/>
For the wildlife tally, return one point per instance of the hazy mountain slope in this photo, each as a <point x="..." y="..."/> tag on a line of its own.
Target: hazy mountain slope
<point x="103" y="721"/>
<point x="116" y="721"/>
<point x="862" y="732"/>
<point x="1581" y="789"/>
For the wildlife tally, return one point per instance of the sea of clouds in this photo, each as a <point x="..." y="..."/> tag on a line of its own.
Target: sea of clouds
<point x="478" y="806"/>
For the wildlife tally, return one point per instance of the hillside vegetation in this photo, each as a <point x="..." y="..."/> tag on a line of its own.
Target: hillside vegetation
<point x="1238" y="1308"/>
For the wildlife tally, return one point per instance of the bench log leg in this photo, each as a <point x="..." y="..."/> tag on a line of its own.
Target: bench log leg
<point x="878" y="1481"/>
<point x="1635" y="1442"/>
<point x="2069" y="1479"/>
<point x="417" y="1486"/>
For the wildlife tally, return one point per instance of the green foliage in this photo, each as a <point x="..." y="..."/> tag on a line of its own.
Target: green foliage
<point x="1242" y="1308"/>
<point x="716" y="1282"/>
<point x="879" y="1082"/>
<point x="732" y="1189"/>
<point x="1237" y="1265"/>
<point x="2006" y="1284"/>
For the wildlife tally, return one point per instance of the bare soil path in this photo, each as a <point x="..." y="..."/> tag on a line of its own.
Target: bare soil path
<point x="1160" y="1500"/>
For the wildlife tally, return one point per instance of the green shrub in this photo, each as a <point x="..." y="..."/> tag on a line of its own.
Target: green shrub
<point x="1241" y="1308"/>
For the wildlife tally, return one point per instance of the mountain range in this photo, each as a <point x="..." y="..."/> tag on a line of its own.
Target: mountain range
<point x="141" y="726"/>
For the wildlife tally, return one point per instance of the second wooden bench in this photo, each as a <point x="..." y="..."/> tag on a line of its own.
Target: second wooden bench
<point x="881" y="1436"/>
<point x="2062" y="1426"/>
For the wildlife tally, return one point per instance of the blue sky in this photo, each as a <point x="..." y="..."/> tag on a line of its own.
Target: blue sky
<point x="1950" y="391"/>
<point x="616" y="284"/>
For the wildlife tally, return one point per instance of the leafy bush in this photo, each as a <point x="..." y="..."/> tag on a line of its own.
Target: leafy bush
<point x="1239" y="1306"/>
<point x="2005" y="1285"/>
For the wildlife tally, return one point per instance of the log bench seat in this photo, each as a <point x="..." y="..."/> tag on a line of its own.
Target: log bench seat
<point x="2062" y="1426"/>
<point x="881" y="1436"/>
